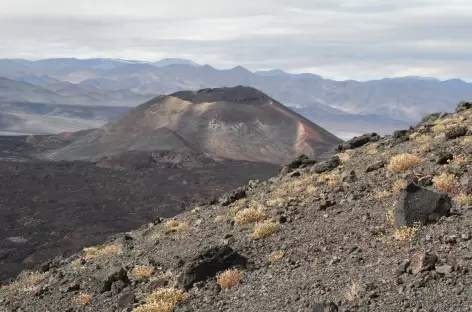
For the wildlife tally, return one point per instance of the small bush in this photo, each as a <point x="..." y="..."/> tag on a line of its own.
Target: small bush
<point x="446" y="183"/>
<point x="26" y="282"/>
<point x="344" y="158"/>
<point x="460" y="161"/>
<point x="467" y="140"/>
<point x="406" y="233"/>
<point x="403" y="162"/>
<point x="142" y="271"/>
<point x="177" y="226"/>
<point x="275" y="256"/>
<point x="353" y="292"/>
<point x="382" y="195"/>
<point x="277" y="201"/>
<point x="398" y="186"/>
<point x="391" y="216"/>
<point x="162" y="300"/>
<point x="84" y="298"/>
<point x="421" y="138"/>
<point x="101" y="252"/>
<point x="464" y="199"/>
<point x="249" y="215"/>
<point x="264" y="229"/>
<point x="230" y="278"/>
<point x="220" y="218"/>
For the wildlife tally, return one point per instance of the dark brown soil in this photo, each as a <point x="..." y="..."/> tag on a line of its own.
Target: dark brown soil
<point x="49" y="209"/>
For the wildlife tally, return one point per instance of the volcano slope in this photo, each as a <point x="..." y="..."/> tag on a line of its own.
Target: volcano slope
<point x="321" y="236"/>
<point x="234" y="123"/>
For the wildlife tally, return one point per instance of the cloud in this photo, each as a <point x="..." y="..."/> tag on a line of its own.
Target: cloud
<point x="342" y="39"/>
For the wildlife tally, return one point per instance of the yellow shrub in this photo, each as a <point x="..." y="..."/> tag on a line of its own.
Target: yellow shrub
<point x="230" y="278"/>
<point x="398" y="186"/>
<point x="276" y="256"/>
<point x="84" y="298"/>
<point x="353" y="292"/>
<point x="101" y="252"/>
<point x="406" y="233"/>
<point x="162" y="300"/>
<point x="264" y="229"/>
<point x="177" y="226"/>
<point x="382" y="195"/>
<point x="464" y="199"/>
<point x="249" y="215"/>
<point x="142" y="271"/>
<point x="446" y="183"/>
<point x="403" y="162"/>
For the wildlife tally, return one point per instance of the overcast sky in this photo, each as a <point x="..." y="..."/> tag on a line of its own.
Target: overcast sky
<point x="341" y="39"/>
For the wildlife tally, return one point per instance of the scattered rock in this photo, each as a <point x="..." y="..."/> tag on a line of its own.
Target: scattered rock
<point x="429" y="118"/>
<point x="466" y="182"/>
<point x="326" y="204"/>
<point x="326" y="165"/>
<point x="235" y="195"/>
<point x="401" y="268"/>
<point x="376" y="166"/>
<point x="349" y="176"/>
<point x="444" y="269"/>
<point x="111" y="276"/>
<point x="358" y="142"/>
<point x="422" y="261"/>
<point x="300" y="161"/>
<point x="463" y="105"/>
<point x="444" y="158"/>
<point x="208" y="264"/>
<point x="126" y="300"/>
<point x="320" y="307"/>
<point x="456" y="132"/>
<point x="418" y="204"/>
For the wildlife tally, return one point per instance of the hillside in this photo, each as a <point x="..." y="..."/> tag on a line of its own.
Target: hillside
<point x="384" y="225"/>
<point x="234" y="123"/>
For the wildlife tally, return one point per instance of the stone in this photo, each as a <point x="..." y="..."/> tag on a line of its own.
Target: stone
<point x="444" y="158"/>
<point x="235" y="195"/>
<point x="466" y="182"/>
<point x="320" y="307"/>
<point x="401" y="268"/>
<point x="300" y="161"/>
<point x="422" y="261"/>
<point x="357" y="142"/>
<point x="444" y="269"/>
<point x="126" y="300"/>
<point x="418" y="204"/>
<point x="326" y="204"/>
<point x="430" y="118"/>
<point x="456" y="132"/>
<point x="399" y="136"/>
<point x="349" y="176"/>
<point x="326" y="165"/>
<point x="463" y="105"/>
<point x="111" y="276"/>
<point x="376" y="166"/>
<point x="207" y="264"/>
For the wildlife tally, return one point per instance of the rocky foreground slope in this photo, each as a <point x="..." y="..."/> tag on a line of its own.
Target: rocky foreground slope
<point x="385" y="225"/>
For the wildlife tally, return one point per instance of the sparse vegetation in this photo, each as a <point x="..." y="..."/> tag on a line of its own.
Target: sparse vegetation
<point x="446" y="183"/>
<point x="420" y="138"/>
<point x="344" y="157"/>
<point x="220" y="218"/>
<point x="230" y="278"/>
<point x="26" y="282"/>
<point x="84" y="298"/>
<point x="406" y="233"/>
<point x="142" y="271"/>
<point x="464" y="199"/>
<point x="391" y="216"/>
<point x="276" y="256"/>
<point x="403" y="162"/>
<point x="332" y="179"/>
<point x="264" y="229"/>
<point x="398" y="186"/>
<point x="277" y="201"/>
<point x="177" y="226"/>
<point x="467" y="140"/>
<point x="162" y="300"/>
<point x="460" y="161"/>
<point x="353" y="292"/>
<point x="382" y="195"/>
<point x="101" y="252"/>
<point x="249" y="215"/>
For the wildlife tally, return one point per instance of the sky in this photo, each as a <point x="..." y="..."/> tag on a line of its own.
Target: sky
<point x="338" y="39"/>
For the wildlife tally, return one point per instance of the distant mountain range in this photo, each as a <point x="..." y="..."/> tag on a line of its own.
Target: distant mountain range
<point x="382" y="105"/>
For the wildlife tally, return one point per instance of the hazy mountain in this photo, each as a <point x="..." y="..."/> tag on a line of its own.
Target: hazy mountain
<point x="174" y="61"/>
<point x="235" y="123"/>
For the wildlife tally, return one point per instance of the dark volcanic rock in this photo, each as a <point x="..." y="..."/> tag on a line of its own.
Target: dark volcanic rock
<point x="300" y="161"/>
<point x="349" y="176"/>
<point x="456" y="132"/>
<point x="444" y="158"/>
<point x="235" y="195"/>
<point x="358" y="142"/>
<point x="126" y="300"/>
<point x="422" y="261"/>
<point x="400" y="136"/>
<point x="463" y="105"/>
<point x="320" y="307"/>
<point x="430" y="118"/>
<point x="326" y="165"/>
<point x="112" y="275"/>
<point x="418" y="204"/>
<point x="208" y="264"/>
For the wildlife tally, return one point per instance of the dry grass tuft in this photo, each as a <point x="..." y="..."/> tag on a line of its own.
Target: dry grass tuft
<point x="446" y="183"/>
<point x="353" y="292"/>
<point x="403" y="162"/>
<point x="382" y="195"/>
<point x="372" y="149"/>
<point x="275" y="256"/>
<point x="25" y="283"/>
<point x="344" y="158"/>
<point x="277" y="201"/>
<point x="230" y="278"/>
<point x="406" y="233"/>
<point x="177" y="226"/>
<point x="391" y="216"/>
<point x="249" y="215"/>
<point x="142" y="271"/>
<point x="101" y="252"/>
<point x="162" y="300"/>
<point x="420" y="138"/>
<point x="464" y="199"/>
<point x="332" y="179"/>
<point x="460" y="161"/>
<point x="220" y="218"/>
<point x="84" y="298"/>
<point x="445" y="124"/>
<point x="467" y="140"/>
<point x="398" y="186"/>
<point x="264" y="229"/>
